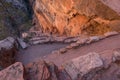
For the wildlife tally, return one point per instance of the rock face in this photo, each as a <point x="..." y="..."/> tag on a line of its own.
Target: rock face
<point x="41" y="70"/>
<point x="84" y="66"/>
<point x="13" y="72"/>
<point x="72" y="18"/>
<point x="37" y="71"/>
<point x="7" y="52"/>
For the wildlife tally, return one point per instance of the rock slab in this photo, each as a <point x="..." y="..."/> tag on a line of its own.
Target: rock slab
<point x="13" y="72"/>
<point x="83" y="65"/>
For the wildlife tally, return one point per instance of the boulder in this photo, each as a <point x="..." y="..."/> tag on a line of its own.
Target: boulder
<point x="13" y="72"/>
<point x="53" y="71"/>
<point x="84" y="65"/>
<point x="40" y="70"/>
<point x="37" y="71"/>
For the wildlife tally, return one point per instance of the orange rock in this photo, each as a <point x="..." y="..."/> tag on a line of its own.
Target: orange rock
<point x="76" y="24"/>
<point x="68" y="17"/>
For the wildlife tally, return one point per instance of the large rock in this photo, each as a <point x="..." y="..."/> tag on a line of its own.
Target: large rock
<point x="74" y="17"/>
<point x="84" y="66"/>
<point x="40" y="70"/>
<point x="53" y="71"/>
<point x="37" y="71"/>
<point x="13" y="72"/>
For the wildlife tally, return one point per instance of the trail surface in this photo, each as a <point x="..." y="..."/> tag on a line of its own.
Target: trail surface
<point x="44" y="51"/>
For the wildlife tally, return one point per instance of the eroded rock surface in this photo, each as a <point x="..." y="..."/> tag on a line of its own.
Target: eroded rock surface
<point x="41" y="70"/>
<point x="37" y="71"/>
<point x="13" y="72"/>
<point x="72" y="18"/>
<point x="84" y="66"/>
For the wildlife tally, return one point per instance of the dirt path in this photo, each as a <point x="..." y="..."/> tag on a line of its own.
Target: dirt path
<point x="37" y="52"/>
<point x="100" y="46"/>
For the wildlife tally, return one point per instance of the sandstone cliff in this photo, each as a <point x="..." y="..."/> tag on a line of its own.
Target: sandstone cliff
<point x="72" y="18"/>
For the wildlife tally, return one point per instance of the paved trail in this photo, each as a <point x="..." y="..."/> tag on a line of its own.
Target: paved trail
<point x="37" y="52"/>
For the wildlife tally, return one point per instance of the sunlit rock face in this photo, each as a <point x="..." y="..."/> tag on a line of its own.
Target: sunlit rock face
<point x="75" y="17"/>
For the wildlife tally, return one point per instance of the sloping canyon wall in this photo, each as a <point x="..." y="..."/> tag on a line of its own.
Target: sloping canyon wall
<point x="75" y="17"/>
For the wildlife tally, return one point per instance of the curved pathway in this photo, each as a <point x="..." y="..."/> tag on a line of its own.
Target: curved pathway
<point x="35" y="52"/>
<point x="43" y="51"/>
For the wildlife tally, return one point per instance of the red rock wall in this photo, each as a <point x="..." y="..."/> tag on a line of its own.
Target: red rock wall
<point x="74" y="17"/>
